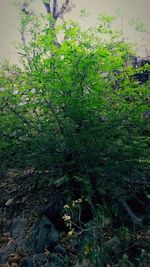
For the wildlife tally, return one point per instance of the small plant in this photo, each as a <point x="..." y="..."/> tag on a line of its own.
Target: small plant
<point x="123" y="261"/>
<point x="123" y="233"/>
<point x="72" y="216"/>
<point x="91" y="235"/>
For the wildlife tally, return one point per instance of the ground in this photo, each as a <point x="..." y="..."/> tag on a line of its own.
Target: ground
<point x="25" y="194"/>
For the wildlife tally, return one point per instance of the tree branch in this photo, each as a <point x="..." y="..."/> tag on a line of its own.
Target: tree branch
<point x="23" y="119"/>
<point x="63" y="9"/>
<point x="26" y="12"/>
<point x="55" y="7"/>
<point x="47" y="6"/>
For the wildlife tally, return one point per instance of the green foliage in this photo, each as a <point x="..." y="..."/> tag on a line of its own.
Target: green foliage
<point x="123" y="233"/>
<point x="76" y="109"/>
<point x="138" y="25"/>
<point x="124" y="261"/>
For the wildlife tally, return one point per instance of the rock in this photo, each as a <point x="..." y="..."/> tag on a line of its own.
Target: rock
<point x="47" y="235"/>
<point x="17" y="228"/>
<point x="14" y="260"/>
<point x="18" y="241"/>
<point x="6" y="251"/>
<point x="36" y="260"/>
<point x="54" y="212"/>
<point x="42" y="235"/>
<point x="9" y="202"/>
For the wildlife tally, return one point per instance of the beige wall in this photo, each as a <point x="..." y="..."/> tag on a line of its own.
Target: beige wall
<point x="129" y="8"/>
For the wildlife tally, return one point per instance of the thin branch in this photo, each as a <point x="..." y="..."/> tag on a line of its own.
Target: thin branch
<point x="63" y="9"/>
<point x="23" y="119"/>
<point x="50" y="106"/>
<point x="25" y="10"/>
<point x="47" y="6"/>
<point x="25" y="45"/>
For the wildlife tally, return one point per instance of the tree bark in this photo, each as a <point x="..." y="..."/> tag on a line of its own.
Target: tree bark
<point x="48" y="7"/>
<point x="55" y="9"/>
<point x="63" y="9"/>
<point x="56" y="13"/>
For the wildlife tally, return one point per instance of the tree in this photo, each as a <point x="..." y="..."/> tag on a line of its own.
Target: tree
<point x="51" y="8"/>
<point x="55" y="11"/>
<point x="31" y="23"/>
<point x="65" y="104"/>
<point x="76" y="111"/>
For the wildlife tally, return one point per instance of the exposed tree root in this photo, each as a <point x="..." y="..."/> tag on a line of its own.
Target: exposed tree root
<point x="137" y="222"/>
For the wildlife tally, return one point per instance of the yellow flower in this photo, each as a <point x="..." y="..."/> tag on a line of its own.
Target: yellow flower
<point x="71" y="232"/>
<point x="66" y="206"/>
<point x="87" y="249"/>
<point x="76" y="202"/>
<point x="66" y="217"/>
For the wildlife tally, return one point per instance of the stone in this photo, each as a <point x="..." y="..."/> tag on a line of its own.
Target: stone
<point x="48" y="236"/>
<point x="6" y="251"/>
<point x="36" y="260"/>
<point x="54" y="212"/>
<point x="18" y="241"/>
<point x="9" y="202"/>
<point x="17" y="228"/>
